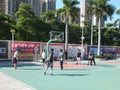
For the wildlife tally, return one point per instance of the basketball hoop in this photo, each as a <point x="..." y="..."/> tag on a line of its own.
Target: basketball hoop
<point x="58" y="36"/>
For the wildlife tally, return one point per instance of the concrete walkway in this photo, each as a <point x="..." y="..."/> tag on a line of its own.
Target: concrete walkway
<point x="9" y="83"/>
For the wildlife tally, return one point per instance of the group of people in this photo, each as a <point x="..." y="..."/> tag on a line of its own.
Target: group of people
<point x="91" y="58"/>
<point x="61" y="57"/>
<point x="48" y="61"/>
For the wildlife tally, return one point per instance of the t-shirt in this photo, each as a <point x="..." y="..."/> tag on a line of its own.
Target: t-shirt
<point x="51" y="57"/>
<point x="91" y="56"/>
<point x="16" y="54"/>
<point x="78" y="54"/>
<point x="43" y="55"/>
<point x="61" y="56"/>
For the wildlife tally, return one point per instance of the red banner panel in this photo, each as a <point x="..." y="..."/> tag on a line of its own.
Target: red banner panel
<point x="27" y="49"/>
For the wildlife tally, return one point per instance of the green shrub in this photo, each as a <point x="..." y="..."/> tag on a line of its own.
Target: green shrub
<point x="106" y="56"/>
<point x="99" y="56"/>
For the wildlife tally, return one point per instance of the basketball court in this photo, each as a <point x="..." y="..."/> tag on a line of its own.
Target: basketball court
<point x="104" y="76"/>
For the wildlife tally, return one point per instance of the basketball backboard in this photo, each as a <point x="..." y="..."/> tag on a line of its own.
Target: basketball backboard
<point x="57" y="35"/>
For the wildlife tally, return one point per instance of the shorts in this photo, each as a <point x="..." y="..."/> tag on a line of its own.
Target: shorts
<point x="43" y="60"/>
<point x="78" y="58"/>
<point x="15" y="60"/>
<point x="50" y="64"/>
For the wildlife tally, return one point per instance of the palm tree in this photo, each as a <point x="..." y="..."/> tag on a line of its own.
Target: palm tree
<point x="101" y="9"/>
<point x="91" y="15"/>
<point x="48" y="15"/>
<point x="118" y="20"/>
<point x="68" y="10"/>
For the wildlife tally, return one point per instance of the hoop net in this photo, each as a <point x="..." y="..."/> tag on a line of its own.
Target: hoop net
<point x="58" y="39"/>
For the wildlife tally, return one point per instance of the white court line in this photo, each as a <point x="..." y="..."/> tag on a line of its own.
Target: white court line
<point x="118" y="66"/>
<point x="19" y="82"/>
<point x="104" y="69"/>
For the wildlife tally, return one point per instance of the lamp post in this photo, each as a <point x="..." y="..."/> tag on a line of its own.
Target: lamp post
<point x="46" y="5"/>
<point x="12" y="32"/>
<point x="82" y="37"/>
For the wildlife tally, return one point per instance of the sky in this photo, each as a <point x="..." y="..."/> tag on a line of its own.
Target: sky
<point x="115" y="3"/>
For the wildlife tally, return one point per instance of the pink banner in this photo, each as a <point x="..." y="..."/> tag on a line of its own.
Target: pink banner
<point x="28" y="49"/>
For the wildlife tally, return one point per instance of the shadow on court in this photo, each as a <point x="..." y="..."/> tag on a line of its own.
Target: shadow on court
<point x="31" y="69"/>
<point x="77" y="69"/>
<point x="71" y="74"/>
<point x="105" y="65"/>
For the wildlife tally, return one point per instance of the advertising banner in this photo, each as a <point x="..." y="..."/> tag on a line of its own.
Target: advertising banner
<point x="3" y="49"/>
<point x="72" y="49"/>
<point x="27" y="49"/>
<point x="55" y="46"/>
<point x="104" y="50"/>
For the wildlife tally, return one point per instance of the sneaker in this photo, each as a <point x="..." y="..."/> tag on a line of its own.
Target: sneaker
<point x="76" y="63"/>
<point x="51" y="73"/>
<point x="44" y="73"/>
<point x="65" y="62"/>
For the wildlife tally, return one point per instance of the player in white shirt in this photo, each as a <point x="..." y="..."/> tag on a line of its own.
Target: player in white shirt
<point x="15" y="58"/>
<point x="43" y="57"/>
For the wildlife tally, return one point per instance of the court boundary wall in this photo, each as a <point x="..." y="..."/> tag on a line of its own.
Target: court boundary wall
<point x="32" y="50"/>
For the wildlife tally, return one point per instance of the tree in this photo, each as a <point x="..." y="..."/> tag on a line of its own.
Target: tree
<point x="48" y="15"/>
<point x="68" y="10"/>
<point x="91" y="15"/>
<point x="118" y="20"/>
<point x="111" y="35"/>
<point x="25" y="21"/>
<point x="6" y="23"/>
<point x="101" y="9"/>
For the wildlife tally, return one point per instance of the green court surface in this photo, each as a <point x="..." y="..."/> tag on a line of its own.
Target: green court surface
<point x="104" y="76"/>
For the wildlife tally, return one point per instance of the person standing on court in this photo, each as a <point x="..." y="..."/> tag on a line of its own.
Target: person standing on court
<point x="15" y="58"/>
<point x="89" y="57"/>
<point x="50" y="60"/>
<point x="43" y="57"/>
<point x="78" y="57"/>
<point x="61" y="58"/>
<point x="92" y="59"/>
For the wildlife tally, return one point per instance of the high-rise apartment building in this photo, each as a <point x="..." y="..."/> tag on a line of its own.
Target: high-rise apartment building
<point x="11" y="6"/>
<point x="84" y="16"/>
<point x="48" y="5"/>
<point x="2" y="5"/>
<point x="83" y="11"/>
<point x="38" y="6"/>
<point x="51" y="5"/>
<point x="42" y="6"/>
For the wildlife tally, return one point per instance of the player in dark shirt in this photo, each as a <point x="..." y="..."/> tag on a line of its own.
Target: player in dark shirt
<point x="50" y="62"/>
<point x="78" y="57"/>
